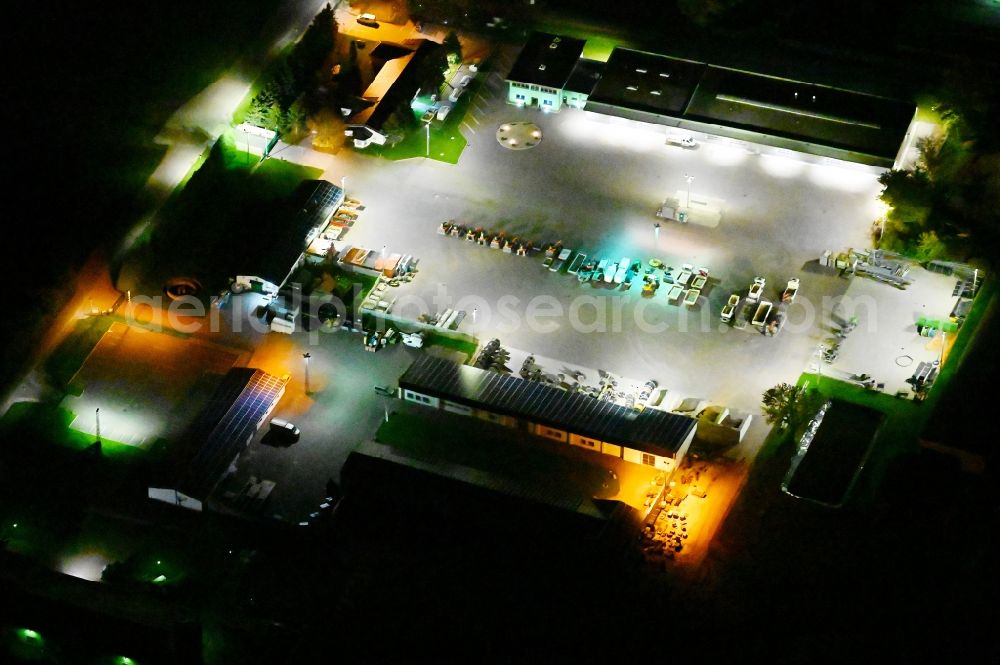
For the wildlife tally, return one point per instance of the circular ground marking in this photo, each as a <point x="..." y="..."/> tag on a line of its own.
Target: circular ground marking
<point x="904" y="361"/>
<point x="519" y="135"/>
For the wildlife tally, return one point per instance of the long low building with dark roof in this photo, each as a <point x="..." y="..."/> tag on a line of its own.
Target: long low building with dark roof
<point x="713" y="104"/>
<point x="652" y="437"/>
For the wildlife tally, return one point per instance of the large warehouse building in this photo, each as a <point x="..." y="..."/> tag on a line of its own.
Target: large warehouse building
<point x="712" y="104"/>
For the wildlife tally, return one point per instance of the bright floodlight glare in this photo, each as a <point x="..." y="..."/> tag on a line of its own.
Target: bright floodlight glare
<point x="840" y="177"/>
<point x="781" y="167"/>
<point x="727" y="155"/>
<point x="88" y="566"/>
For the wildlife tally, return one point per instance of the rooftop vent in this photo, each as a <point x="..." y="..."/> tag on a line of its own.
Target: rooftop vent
<point x="555" y="43"/>
<point x="655" y="92"/>
<point x="541" y="67"/>
<point x="633" y="88"/>
<point x="640" y="71"/>
<point x="665" y="75"/>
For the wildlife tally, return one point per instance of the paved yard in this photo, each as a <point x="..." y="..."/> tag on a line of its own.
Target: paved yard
<point x="596" y="185"/>
<point x="340" y="411"/>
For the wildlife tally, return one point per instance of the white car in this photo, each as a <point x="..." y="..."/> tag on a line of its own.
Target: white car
<point x="465" y="81"/>
<point x="367" y="19"/>
<point x="683" y="140"/>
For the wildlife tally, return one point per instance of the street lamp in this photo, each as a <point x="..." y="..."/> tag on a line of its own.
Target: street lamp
<point x="306" y="357"/>
<point x="689" y="178"/>
<point x="656" y="235"/>
<point x="343" y="185"/>
<point x="97" y="417"/>
<point x="475" y="311"/>
<point x="428" y="128"/>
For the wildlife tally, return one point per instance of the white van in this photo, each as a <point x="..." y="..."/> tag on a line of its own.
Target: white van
<point x="443" y="112"/>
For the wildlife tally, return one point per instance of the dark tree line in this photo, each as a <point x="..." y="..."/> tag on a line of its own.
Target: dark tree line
<point x="949" y="205"/>
<point x="281" y="103"/>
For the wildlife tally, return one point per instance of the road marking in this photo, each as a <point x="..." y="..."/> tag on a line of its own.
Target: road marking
<point x="472" y="116"/>
<point x="469" y="127"/>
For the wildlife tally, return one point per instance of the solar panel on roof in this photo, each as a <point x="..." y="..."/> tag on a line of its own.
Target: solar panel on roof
<point x="226" y="424"/>
<point x="651" y="430"/>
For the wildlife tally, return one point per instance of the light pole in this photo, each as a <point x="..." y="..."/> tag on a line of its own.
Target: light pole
<point x="689" y="178"/>
<point x="428" y="128"/>
<point x="306" y="357"/>
<point x="343" y="185"/>
<point x="475" y="311"/>
<point x="97" y="417"/>
<point x="656" y="235"/>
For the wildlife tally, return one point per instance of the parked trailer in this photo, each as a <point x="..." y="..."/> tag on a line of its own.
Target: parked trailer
<point x="560" y="260"/>
<point x="791" y="290"/>
<point x="760" y="316"/>
<point x="756" y="289"/>
<point x="574" y="266"/>
<point x="674" y="294"/>
<point x="729" y="310"/>
<point x="691" y="297"/>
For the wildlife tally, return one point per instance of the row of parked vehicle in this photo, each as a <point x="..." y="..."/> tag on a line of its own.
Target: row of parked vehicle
<point x="766" y="317"/>
<point x="486" y="238"/>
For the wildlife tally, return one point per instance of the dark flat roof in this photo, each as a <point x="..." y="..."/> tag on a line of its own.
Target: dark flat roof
<point x="224" y="427"/>
<point x="546" y="60"/>
<point x="804" y="111"/>
<point x="648" y="82"/>
<point x="652" y="431"/>
<point x="585" y="76"/>
<point x="636" y="83"/>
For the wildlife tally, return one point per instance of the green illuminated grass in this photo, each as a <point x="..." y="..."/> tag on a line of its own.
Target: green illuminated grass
<point x="33" y="421"/>
<point x="466" y="346"/>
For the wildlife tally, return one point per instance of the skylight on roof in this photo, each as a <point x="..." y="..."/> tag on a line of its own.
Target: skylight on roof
<point x="665" y="75"/>
<point x="633" y="88"/>
<point x="655" y="92"/>
<point x="639" y="70"/>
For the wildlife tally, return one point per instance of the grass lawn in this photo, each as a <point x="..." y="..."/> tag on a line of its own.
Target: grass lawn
<point x="33" y="421"/>
<point x="447" y="142"/>
<point x="466" y="346"/>
<point x="67" y="359"/>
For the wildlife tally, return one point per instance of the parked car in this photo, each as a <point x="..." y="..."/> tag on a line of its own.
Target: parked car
<point x="284" y="429"/>
<point x="368" y="19"/>
<point x="682" y="140"/>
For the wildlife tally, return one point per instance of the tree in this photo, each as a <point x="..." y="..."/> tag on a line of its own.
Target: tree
<point x="780" y="401"/>
<point x="452" y="47"/>
<point x="328" y="129"/>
